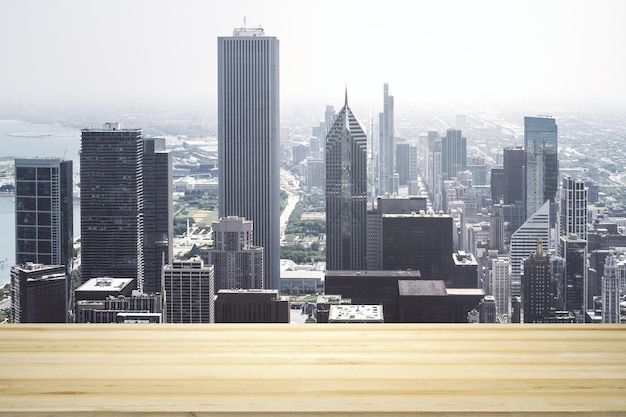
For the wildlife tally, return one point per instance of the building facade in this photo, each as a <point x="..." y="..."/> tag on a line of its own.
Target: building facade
<point x="39" y="294"/>
<point x="610" y="291"/>
<point x="238" y="263"/>
<point x="386" y="144"/>
<point x="44" y="212"/>
<point x="453" y="154"/>
<point x="251" y="306"/>
<point x="248" y="138"/>
<point x="513" y="169"/>
<point x="189" y="290"/>
<point x="112" y="203"/>
<point x="541" y="170"/>
<point x="573" y="209"/>
<point x="346" y="193"/>
<point x="536" y="294"/>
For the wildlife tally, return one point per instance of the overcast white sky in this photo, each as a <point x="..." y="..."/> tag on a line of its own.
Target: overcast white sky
<point x="529" y="52"/>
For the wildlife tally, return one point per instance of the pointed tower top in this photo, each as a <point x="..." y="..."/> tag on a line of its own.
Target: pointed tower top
<point x="346" y="104"/>
<point x="539" y="247"/>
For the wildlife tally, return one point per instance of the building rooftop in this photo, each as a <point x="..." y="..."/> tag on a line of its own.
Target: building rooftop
<point x="377" y="274"/>
<point x="105" y="284"/>
<point x="355" y="313"/>
<point x="422" y="288"/>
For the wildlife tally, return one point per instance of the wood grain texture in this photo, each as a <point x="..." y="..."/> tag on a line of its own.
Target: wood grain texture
<point x="331" y="369"/>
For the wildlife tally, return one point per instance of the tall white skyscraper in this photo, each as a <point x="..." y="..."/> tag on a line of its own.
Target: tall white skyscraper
<point x="386" y="146"/>
<point x="248" y="138"/>
<point x="501" y="285"/>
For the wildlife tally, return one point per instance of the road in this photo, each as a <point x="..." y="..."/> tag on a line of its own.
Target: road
<point x="292" y="186"/>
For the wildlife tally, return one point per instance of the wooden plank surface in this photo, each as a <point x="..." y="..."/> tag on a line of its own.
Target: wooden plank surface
<point x="312" y="369"/>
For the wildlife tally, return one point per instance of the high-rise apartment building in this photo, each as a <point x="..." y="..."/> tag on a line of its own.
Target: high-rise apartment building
<point x="541" y="171"/>
<point x="386" y="145"/>
<point x="573" y="209"/>
<point x="238" y="263"/>
<point x="44" y="212"/>
<point x="610" y="291"/>
<point x="248" y="138"/>
<point x="524" y="242"/>
<point x="453" y="154"/>
<point x="513" y="167"/>
<point x="189" y="292"/>
<point x="536" y="294"/>
<point x="346" y="193"/>
<point x="112" y="203"/>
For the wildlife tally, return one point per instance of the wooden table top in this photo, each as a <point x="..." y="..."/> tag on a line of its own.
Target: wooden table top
<point x="313" y="369"/>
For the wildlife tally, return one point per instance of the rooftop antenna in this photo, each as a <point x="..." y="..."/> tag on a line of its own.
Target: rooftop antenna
<point x="244" y="22"/>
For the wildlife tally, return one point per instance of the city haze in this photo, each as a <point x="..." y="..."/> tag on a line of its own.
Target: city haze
<point x="533" y="54"/>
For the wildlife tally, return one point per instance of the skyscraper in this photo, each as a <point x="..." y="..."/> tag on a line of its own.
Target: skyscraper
<point x="158" y="212"/>
<point x="453" y="154"/>
<point x="501" y="285"/>
<point x="575" y="282"/>
<point x="39" y="294"/>
<point x="44" y="212"/>
<point x="513" y="166"/>
<point x="248" y="138"/>
<point x="346" y="193"/>
<point x="573" y="209"/>
<point x="189" y="292"/>
<point x="112" y="203"/>
<point x="541" y="164"/>
<point x="386" y="146"/>
<point x="238" y="263"/>
<point x="536" y="295"/>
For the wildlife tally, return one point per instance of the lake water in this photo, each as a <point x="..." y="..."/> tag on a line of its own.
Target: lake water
<point x="32" y="141"/>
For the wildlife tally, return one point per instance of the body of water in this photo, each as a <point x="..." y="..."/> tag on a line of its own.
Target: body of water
<point x="30" y="140"/>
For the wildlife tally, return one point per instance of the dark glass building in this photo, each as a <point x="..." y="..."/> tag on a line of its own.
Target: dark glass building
<point x="44" y="212"/>
<point x="513" y="168"/>
<point x="346" y="193"/>
<point x="453" y="154"/>
<point x="39" y="294"/>
<point x="112" y="203"/>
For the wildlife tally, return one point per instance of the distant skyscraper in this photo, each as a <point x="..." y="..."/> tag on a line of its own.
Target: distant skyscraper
<point x="573" y="209"/>
<point x="497" y="185"/>
<point x="346" y="193"/>
<point x="536" y="295"/>
<point x="112" y="203"/>
<point x="513" y="166"/>
<point x="610" y="291"/>
<point x="44" y="212"/>
<point x="453" y="154"/>
<point x="542" y="164"/>
<point x="402" y="162"/>
<point x="158" y="212"/>
<point x="386" y="147"/>
<point x="524" y="242"/>
<point x="238" y="263"/>
<point x="496" y="229"/>
<point x="248" y="138"/>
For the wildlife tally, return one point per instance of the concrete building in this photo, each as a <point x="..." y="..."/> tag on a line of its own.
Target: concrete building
<point x="189" y="290"/>
<point x="501" y="285"/>
<point x="39" y="294"/>
<point x="136" y="308"/>
<point x="465" y="272"/>
<point x="324" y="303"/>
<point x="248" y="138"/>
<point x="487" y="310"/>
<point x="346" y="192"/>
<point x="112" y="203"/>
<point x="238" y="263"/>
<point x="251" y="306"/>
<point x="44" y="212"/>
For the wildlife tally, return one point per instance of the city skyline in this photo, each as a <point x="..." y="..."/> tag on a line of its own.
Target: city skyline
<point x="443" y="52"/>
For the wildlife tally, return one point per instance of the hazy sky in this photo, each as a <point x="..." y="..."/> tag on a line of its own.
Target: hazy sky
<point x="532" y="52"/>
